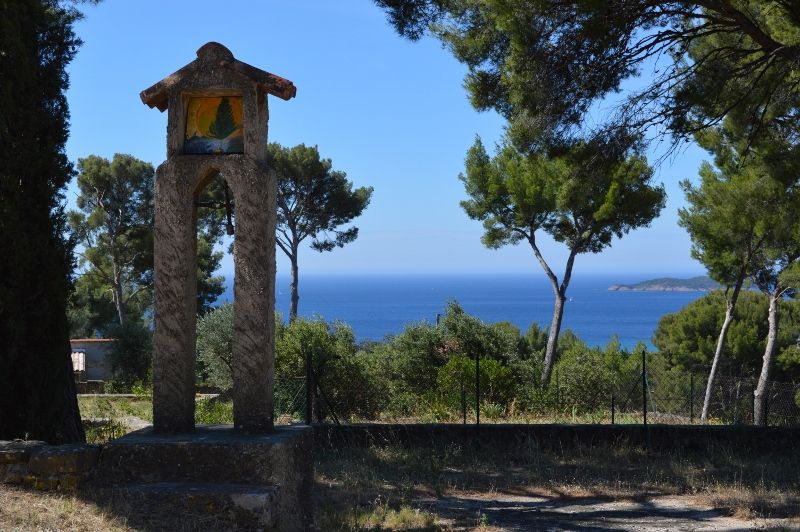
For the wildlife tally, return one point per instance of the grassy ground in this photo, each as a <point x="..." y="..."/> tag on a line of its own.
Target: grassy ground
<point x="381" y="487"/>
<point x="357" y="485"/>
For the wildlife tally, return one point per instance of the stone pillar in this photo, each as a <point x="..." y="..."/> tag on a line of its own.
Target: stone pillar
<point x="175" y="302"/>
<point x="215" y="74"/>
<point x="254" y="297"/>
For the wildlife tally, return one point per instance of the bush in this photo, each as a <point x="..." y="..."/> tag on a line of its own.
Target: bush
<point x="688" y="337"/>
<point x="345" y="374"/>
<point x="496" y="381"/>
<point x="131" y="355"/>
<point x="215" y="347"/>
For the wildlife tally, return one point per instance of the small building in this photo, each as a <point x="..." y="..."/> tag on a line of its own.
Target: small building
<point x="90" y="359"/>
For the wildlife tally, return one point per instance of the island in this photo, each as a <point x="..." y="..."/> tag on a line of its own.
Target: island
<point x="702" y="283"/>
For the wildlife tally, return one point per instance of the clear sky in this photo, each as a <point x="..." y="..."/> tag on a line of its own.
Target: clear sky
<point x="391" y="113"/>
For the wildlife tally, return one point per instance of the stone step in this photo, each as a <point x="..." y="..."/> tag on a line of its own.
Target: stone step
<point x="210" y="454"/>
<point x="271" y="476"/>
<point x="239" y="506"/>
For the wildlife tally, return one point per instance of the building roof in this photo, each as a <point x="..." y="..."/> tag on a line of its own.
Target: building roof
<point x="213" y="53"/>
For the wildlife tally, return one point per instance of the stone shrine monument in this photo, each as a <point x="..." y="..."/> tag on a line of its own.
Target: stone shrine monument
<point x="251" y="476"/>
<point x="217" y="117"/>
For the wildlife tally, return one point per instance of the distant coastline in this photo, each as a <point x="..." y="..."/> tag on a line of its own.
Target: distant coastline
<point x="669" y="284"/>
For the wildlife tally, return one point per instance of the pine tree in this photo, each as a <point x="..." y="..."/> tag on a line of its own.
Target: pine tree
<point x="223" y="124"/>
<point x="37" y="393"/>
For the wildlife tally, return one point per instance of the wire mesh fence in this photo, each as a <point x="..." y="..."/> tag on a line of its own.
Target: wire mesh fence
<point x="289" y="400"/>
<point x="644" y="390"/>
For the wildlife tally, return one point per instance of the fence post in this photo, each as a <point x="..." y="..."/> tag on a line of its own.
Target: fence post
<point x="691" y="397"/>
<point x="644" y="387"/>
<point x="477" y="389"/>
<point x="612" y="408"/>
<point x="463" y="400"/>
<point x="309" y="390"/>
<point x="558" y="395"/>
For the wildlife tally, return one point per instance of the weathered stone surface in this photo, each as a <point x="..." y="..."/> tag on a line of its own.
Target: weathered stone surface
<point x="218" y="454"/>
<point x="245" y="506"/>
<point x="13" y="473"/>
<point x="58" y="459"/>
<point x="178" y="182"/>
<point x="18" y="451"/>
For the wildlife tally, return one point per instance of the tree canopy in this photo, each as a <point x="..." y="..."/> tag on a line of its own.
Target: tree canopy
<point x="583" y="194"/>
<point x="314" y="201"/>
<point x="114" y="226"/>
<point x="687" y="338"/>
<point x="37" y="394"/>
<point x="543" y="64"/>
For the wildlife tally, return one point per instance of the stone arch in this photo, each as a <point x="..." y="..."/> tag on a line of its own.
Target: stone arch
<point x="178" y="182"/>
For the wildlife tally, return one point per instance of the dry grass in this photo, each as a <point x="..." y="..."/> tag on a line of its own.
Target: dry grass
<point x="31" y="510"/>
<point x="742" y="485"/>
<point x="381" y="487"/>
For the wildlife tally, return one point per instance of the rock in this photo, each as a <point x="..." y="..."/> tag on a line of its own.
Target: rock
<point x="18" y="451"/>
<point x="73" y="458"/>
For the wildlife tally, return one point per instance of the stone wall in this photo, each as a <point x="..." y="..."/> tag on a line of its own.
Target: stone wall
<point x="35" y="464"/>
<point x="662" y="438"/>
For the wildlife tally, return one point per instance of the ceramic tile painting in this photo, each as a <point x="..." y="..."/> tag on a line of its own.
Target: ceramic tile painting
<point x="214" y="125"/>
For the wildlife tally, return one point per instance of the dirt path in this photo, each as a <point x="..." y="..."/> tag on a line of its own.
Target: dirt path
<point x="518" y="513"/>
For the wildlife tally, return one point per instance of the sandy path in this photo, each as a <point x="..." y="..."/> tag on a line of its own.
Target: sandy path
<point x="518" y="513"/>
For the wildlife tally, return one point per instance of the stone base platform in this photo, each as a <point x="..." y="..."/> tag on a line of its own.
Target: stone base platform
<point x="261" y="481"/>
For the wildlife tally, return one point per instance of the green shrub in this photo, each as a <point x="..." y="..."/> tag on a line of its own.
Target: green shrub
<point x="215" y="347"/>
<point x="345" y="374"/>
<point x="585" y="381"/>
<point x="131" y="355"/>
<point x="212" y="412"/>
<point x="496" y="381"/>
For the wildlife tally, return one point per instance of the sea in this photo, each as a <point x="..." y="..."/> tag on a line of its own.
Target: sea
<point x="377" y="306"/>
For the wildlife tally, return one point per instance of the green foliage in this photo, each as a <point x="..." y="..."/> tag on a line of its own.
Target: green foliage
<point x="37" y="399"/>
<point x="215" y="347"/>
<point x="211" y="412"/>
<point x="409" y="363"/>
<point x="131" y="354"/>
<point x="585" y="376"/>
<point x="343" y="375"/>
<point x="544" y="64"/>
<point x="496" y="382"/>
<point x="583" y="194"/>
<point x="731" y="216"/>
<point x="687" y="338"/>
<point x="114" y="224"/>
<point x="313" y="201"/>
<point x="100" y="433"/>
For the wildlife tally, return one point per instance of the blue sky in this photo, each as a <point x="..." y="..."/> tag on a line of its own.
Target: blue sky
<point x="391" y="113"/>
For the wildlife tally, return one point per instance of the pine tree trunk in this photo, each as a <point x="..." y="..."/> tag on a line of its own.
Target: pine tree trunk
<point x="560" y="293"/>
<point x="294" y="285"/>
<point x="760" y="393"/>
<point x="552" y="338"/>
<point x="723" y="333"/>
<point x="118" y="297"/>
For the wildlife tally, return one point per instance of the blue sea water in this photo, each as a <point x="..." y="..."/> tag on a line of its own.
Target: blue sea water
<point x="379" y="305"/>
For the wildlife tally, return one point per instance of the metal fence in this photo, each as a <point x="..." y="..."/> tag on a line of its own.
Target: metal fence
<point x="289" y="400"/>
<point x="643" y="392"/>
<point x="656" y="395"/>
